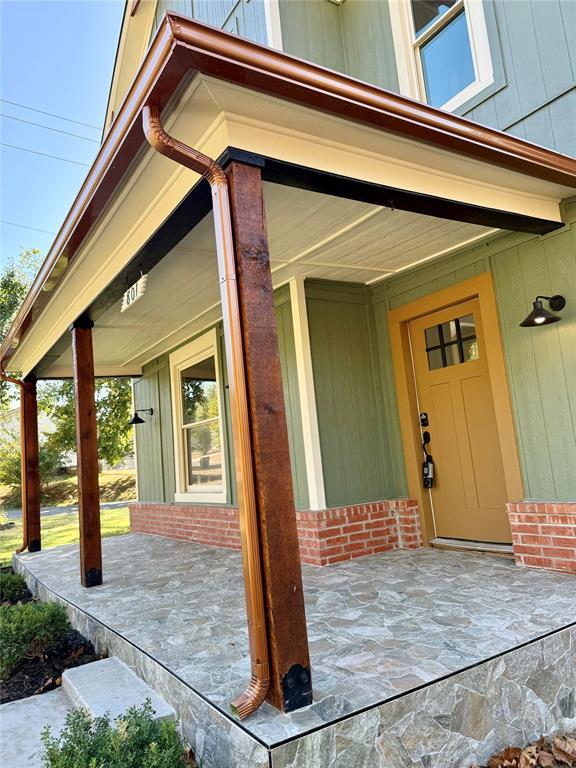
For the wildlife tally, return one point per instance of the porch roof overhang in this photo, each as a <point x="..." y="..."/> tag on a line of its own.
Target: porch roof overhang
<point x="366" y="133"/>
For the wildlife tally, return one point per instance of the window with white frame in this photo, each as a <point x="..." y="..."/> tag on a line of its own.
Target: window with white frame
<point x="442" y="50"/>
<point x="197" y="411"/>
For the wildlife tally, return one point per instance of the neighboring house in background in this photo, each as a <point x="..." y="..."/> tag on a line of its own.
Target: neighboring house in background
<point x="406" y="246"/>
<point x="10" y="421"/>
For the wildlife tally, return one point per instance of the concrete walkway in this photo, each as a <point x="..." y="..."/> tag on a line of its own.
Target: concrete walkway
<point x="103" y="687"/>
<point x="22" y="723"/>
<point x="16" y="514"/>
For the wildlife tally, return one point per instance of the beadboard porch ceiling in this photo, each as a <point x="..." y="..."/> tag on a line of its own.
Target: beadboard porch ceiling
<point x="311" y="235"/>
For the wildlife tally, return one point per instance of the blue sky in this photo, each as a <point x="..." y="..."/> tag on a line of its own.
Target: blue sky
<point x="57" y="57"/>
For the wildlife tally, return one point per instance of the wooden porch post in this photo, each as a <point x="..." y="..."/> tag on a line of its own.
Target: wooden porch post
<point x="87" y="451"/>
<point x="30" y="465"/>
<point x="291" y="685"/>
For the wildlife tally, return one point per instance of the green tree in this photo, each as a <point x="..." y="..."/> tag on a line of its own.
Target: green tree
<point x="56" y="399"/>
<point x="49" y="458"/>
<point x="15" y="281"/>
<point x="113" y="411"/>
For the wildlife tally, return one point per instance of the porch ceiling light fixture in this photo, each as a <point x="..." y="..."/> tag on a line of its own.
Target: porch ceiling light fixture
<point x="541" y="316"/>
<point x="137" y="419"/>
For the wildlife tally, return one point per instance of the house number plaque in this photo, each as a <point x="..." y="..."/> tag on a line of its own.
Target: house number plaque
<point x="134" y="293"/>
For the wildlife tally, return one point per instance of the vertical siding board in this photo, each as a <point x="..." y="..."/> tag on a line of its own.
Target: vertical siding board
<point x="513" y="306"/>
<point x="506" y="101"/>
<point x="554" y="59"/>
<point x="524" y="57"/>
<point x="568" y="12"/>
<point x="350" y="416"/>
<point x="538" y="128"/>
<point x="292" y="403"/>
<point x="148" y="441"/>
<point x="385" y="465"/>
<point x="549" y="388"/>
<point x="241" y="17"/>
<point x="394" y="457"/>
<point x="311" y="30"/>
<point x="227" y="420"/>
<point x="563" y="119"/>
<point x="365" y="26"/>
<point x="166" y="433"/>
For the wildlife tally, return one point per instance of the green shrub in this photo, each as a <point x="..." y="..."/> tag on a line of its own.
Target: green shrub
<point x="12" y="588"/>
<point x="49" y="460"/>
<point x="27" y="630"/>
<point x="136" y="740"/>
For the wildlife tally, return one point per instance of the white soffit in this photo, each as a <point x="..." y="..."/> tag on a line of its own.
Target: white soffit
<point x="300" y="135"/>
<point x="310" y="235"/>
<point x="212" y="115"/>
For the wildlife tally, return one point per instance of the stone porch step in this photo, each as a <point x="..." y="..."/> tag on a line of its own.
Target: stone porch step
<point x="479" y="547"/>
<point x="109" y="686"/>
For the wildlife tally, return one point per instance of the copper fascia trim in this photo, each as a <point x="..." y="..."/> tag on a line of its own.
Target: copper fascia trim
<point x="20" y="384"/>
<point x="236" y="59"/>
<point x="162" y="142"/>
<point x="182" y="45"/>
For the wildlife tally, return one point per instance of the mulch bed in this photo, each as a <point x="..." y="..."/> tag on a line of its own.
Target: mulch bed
<point x="40" y="675"/>
<point x="556" y="752"/>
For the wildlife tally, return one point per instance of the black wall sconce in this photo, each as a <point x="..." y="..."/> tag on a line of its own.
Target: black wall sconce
<point x="542" y="316"/>
<point x="136" y="419"/>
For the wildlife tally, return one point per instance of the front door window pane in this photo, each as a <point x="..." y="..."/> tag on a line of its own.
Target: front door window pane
<point x="451" y="343"/>
<point x="470" y="349"/>
<point x="425" y="12"/>
<point x="435" y="359"/>
<point x="447" y="62"/>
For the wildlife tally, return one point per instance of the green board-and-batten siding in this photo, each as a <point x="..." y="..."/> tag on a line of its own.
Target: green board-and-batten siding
<point x="533" y="49"/>
<point x="541" y="362"/>
<point x="355" y="37"/>
<point x="241" y="17"/>
<point x="155" y="438"/>
<point x="351" y="414"/>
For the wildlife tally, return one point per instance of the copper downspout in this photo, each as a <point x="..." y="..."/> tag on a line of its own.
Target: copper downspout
<point x="20" y="384"/>
<point x="248" y="701"/>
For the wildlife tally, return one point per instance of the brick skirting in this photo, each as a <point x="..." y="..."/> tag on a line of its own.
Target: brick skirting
<point x="544" y="534"/>
<point x="327" y="536"/>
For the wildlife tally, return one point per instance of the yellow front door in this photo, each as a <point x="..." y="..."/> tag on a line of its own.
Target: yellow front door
<point x="453" y="386"/>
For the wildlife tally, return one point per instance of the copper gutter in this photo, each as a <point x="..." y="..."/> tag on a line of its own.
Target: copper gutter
<point x="182" y="45"/>
<point x="255" y="693"/>
<point x="19" y="383"/>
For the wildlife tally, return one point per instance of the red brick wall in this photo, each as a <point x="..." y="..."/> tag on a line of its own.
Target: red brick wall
<point x="217" y="526"/>
<point x="327" y="536"/>
<point x="544" y="534"/>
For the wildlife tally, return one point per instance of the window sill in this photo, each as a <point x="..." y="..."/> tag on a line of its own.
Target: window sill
<point x="198" y="497"/>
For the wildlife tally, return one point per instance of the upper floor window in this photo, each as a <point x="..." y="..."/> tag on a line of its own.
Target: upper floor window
<point x="442" y="50"/>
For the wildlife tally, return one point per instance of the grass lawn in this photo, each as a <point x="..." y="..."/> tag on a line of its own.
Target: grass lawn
<point x="62" y="529"/>
<point x="115" y="485"/>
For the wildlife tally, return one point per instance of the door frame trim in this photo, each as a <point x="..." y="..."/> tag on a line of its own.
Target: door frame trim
<point x="480" y="287"/>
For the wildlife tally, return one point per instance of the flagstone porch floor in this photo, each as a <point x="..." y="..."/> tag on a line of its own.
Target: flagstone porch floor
<point x="379" y="626"/>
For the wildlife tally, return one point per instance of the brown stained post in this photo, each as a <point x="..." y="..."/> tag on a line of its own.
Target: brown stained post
<point x="87" y="451"/>
<point x="291" y="685"/>
<point x="31" y="500"/>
